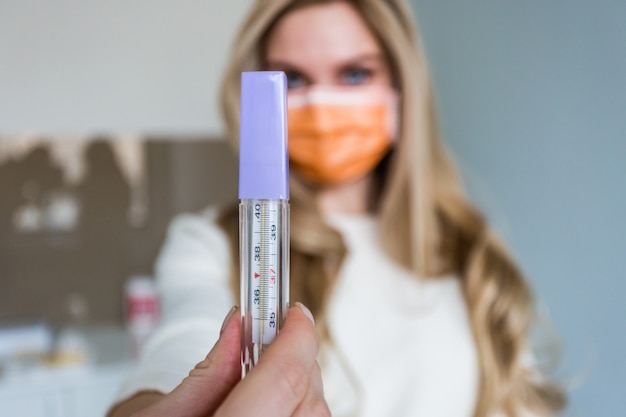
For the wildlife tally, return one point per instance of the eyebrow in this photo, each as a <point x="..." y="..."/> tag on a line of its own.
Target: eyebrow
<point x="359" y="59"/>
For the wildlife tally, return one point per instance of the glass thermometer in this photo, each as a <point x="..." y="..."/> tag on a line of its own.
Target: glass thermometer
<point x="263" y="212"/>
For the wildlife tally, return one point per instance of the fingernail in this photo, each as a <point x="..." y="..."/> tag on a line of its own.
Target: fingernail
<point x="306" y="311"/>
<point x="227" y="318"/>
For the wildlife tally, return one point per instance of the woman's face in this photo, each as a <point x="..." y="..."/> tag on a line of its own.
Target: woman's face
<point x="326" y="44"/>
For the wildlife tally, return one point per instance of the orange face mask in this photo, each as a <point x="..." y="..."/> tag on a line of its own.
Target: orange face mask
<point x="339" y="134"/>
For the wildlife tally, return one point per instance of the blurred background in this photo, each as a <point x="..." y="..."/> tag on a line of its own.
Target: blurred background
<point x="109" y="127"/>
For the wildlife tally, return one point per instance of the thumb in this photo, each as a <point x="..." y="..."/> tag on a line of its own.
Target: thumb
<point x="210" y="382"/>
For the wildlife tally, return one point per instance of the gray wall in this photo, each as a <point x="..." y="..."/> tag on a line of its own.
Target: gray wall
<point x="133" y="66"/>
<point x="532" y="97"/>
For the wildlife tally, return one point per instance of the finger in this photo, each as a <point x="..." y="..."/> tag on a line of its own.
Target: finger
<point x="314" y="403"/>
<point x="209" y="383"/>
<point x="279" y="382"/>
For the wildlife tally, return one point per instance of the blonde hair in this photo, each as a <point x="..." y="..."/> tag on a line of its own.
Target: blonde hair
<point x="420" y="189"/>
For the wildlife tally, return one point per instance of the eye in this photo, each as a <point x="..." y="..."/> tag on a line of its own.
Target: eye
<point x="355" y="76"/>
<point x="295" y="80"/>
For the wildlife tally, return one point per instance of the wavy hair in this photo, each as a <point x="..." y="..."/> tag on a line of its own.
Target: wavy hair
<point x="427" y="224"/>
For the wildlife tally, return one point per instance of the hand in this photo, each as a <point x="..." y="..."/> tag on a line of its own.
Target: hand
<point x="286" y="381"/>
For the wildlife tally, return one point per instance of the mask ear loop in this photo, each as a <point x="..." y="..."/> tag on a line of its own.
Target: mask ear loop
<point x="393" y="116"/>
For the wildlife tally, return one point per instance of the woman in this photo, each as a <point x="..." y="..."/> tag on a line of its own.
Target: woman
<point x="420" y="310"/>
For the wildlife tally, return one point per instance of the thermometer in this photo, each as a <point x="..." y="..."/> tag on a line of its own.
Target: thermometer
<point x="263" y="212"/>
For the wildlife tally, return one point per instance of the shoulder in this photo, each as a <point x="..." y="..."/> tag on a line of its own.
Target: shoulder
<point x="196" y="230"/>
<point x="194" y="243"/>
<point x="202" y="226"/>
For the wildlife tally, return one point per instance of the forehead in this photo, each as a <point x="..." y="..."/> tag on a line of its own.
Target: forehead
<point x="332" y="31"/>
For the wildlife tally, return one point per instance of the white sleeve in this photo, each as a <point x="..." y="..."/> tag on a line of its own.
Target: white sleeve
<point x="192" y="273"/>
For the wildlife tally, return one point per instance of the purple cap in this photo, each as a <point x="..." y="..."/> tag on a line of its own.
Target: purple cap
<point x="263" y="159"/>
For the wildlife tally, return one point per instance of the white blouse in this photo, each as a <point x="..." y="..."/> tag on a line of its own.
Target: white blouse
<point x="401" y="345"/>
<point x="406" y="341"/>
